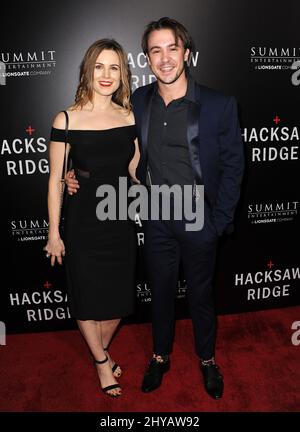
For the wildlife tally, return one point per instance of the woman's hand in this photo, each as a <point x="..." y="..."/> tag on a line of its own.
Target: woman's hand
<point x="134" y="163"/>
<point x="55" y="249"/>
<point x="132" y="171"/>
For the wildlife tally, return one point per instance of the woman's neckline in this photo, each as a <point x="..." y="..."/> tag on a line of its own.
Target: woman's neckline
<point x="94" y="130"/>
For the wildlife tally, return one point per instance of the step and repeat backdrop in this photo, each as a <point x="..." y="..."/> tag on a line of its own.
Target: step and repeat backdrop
<point x="249" y="49"/>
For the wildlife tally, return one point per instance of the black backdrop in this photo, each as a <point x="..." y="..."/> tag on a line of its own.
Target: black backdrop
<point x="244" y="48"/>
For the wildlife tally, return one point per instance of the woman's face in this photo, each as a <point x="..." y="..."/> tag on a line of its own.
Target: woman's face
<point x="107" y="73"/>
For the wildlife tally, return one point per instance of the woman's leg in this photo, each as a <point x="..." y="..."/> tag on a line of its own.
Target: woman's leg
<point x="106" y="331"/>
<point x="90" y="332"/>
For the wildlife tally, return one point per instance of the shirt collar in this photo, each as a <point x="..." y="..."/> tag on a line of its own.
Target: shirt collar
<point x="190" y="95"/>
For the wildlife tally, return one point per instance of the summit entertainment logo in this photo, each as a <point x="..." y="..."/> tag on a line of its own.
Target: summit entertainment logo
<point x="30" y="63"/>
<point x="273" y="58"/>
<point x="144" y="293"/>
<point x="29" y="229"/>
<point x="272" y="212"/>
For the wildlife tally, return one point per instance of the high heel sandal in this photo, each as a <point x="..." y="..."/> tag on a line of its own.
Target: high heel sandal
<point x="110" y="387"/>
<point x="116" y="369"/>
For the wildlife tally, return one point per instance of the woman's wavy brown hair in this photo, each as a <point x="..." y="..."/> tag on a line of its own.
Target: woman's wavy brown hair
<point x="84" y="91"/>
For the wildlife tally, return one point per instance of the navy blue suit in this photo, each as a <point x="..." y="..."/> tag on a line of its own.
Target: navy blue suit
<point x="217" y="160"/>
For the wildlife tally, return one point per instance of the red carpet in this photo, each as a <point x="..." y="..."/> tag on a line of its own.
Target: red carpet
<point x="54" y="372"/>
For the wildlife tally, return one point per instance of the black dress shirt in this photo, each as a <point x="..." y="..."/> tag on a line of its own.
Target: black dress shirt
<point x="168" y="154"/>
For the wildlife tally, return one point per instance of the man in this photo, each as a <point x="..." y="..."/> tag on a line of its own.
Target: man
<point x="188" y="135"/>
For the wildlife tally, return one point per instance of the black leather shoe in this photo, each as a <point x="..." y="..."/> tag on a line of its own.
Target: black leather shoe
<point x="153" y="376"/>
<point x="213" y="381"/>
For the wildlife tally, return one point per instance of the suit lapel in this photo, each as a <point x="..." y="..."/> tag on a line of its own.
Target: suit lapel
<point x="193" y="134"/>
<point x="193" y="130"/>
<point x="146" y="119"/>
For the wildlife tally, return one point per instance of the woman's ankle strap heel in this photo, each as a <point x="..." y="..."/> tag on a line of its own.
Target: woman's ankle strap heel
<point x="101" y="361"/>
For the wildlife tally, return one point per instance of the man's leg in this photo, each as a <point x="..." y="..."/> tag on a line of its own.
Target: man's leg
<point x="162" y="262"/>
<point x="199" y="253"/>
<point x="198" y="266"/>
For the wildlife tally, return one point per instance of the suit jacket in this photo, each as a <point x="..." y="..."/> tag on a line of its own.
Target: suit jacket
<point x="215" y="147"/>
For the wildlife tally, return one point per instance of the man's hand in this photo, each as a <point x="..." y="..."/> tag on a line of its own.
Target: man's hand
<point x="71" y="182"/>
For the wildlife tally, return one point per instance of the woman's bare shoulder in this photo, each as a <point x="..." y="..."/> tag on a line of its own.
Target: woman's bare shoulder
<point x="129" y="117"/>
<point x="59" y="121"/>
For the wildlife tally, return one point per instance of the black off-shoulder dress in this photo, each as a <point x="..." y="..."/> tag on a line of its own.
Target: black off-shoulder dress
<point x="100" y="255"/>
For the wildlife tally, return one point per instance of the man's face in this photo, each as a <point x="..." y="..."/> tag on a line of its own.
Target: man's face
<point x="165" y="57"/>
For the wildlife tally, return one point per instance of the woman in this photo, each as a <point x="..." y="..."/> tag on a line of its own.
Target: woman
<point x="99" y="255"/>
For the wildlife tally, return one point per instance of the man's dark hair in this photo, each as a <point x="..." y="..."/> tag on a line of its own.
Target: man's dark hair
<point x="167" y="23"/>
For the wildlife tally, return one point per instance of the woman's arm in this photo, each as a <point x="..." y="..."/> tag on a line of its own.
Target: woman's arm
<point x="55" y="246"/>
<point x="134" y="162"/>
